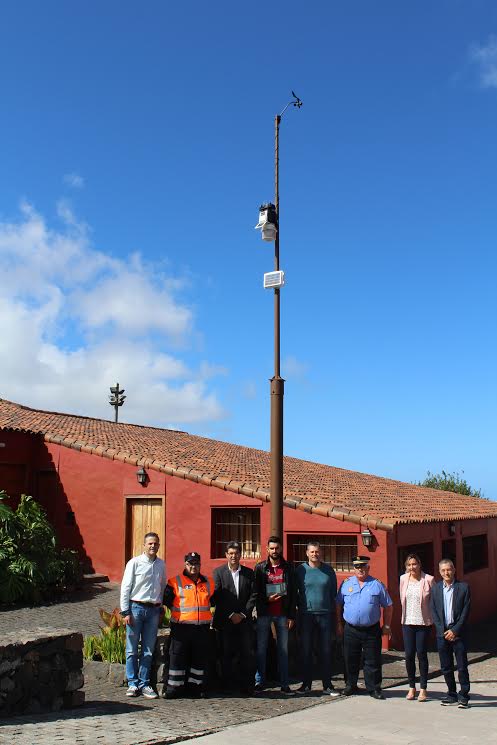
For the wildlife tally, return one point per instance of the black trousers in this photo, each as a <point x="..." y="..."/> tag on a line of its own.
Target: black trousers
<point x="416" y="640"/>
<point x="188" y="654"/>
<point x="447" y="651"/>
<point x="362" y="640"/>
<point x="237" y="641"/>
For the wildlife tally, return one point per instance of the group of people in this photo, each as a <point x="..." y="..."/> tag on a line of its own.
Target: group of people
<point x="276" y="595"/>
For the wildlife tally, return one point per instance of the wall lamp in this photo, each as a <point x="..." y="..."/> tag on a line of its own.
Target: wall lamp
<point x="452" y="529"/>
<point x="367" y="538"/>
<point x="141" y="476"/>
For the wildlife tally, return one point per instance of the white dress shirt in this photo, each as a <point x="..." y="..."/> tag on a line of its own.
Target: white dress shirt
<point x="236" y="580"/>
<point x="144" y="580"/>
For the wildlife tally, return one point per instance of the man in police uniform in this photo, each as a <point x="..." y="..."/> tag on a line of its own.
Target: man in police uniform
<point x="189" y="596"/>
<point x="359" y="602"/>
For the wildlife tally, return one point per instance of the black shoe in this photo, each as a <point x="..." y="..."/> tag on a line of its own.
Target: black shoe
<point x="287" y="691"/>
<point x="247" y="691"/>
<point x="463" y="704"/>
<point x="350" y="691"/>
<point x="331" y="691"/>
<point x="195" y="692"/>
<point x="171" y="694"/>
<point x="258" y="688"/>
<point x="303" y="689"/>
<point x="449" y="701"/>
<point x="377" y="694"/>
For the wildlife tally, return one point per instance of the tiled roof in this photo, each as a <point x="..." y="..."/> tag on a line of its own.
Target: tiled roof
<point x="345" y="495"/>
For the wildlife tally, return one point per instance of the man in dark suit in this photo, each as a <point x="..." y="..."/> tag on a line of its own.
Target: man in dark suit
<point x="450" y="605"/>
<point x="235" y="601"/>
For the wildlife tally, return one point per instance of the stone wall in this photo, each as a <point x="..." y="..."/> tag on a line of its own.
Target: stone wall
<point x="40" y="671"/>
<point x="160" y="662"/>
<point x="114" y="674"/>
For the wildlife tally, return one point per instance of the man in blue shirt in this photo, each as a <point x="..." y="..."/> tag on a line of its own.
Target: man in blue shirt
<point x="450" y="605"/>
<point x="360" y="600"/>
<point x="316" y="593"/>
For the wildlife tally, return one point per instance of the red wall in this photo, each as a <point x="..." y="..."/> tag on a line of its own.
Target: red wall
<point x="85" y="498"/>
<point x="16" y="457"/>
<point x="481" y="581"/>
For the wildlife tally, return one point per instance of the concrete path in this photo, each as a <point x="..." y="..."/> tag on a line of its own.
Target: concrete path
<point x="363" y="721"/>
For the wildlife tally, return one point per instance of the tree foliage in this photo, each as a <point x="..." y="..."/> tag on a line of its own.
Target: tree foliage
<point x="449" y="482"/>
<point x="32" y="567"/>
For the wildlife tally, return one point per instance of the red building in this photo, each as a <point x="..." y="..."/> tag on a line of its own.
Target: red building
<point x="200" y="493"/>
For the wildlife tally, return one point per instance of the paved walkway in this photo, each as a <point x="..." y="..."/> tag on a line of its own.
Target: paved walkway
<point x="108" y="717"/>
<point x="78" y="611"/>
<point x="357" y="720"/>
<point x="363" y="721"/>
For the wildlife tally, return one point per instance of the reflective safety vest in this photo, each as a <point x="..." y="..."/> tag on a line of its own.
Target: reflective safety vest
<point x="192" y="601"/>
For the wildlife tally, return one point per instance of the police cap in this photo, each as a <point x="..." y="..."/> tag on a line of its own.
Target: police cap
<point x="360" y="561"/>
<point x="192" y="557"/>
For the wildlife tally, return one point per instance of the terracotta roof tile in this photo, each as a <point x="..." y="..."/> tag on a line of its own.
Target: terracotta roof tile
<point x="346" y="495"/>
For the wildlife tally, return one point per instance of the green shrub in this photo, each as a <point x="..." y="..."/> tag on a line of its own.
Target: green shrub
<point x="90" y="648"/>
<point x="110" y="646"/>
<point x="166" y="618"/>
<point x="32" y="567"/>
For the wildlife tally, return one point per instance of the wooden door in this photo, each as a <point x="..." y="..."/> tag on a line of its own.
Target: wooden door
<point x="144" y="516"/>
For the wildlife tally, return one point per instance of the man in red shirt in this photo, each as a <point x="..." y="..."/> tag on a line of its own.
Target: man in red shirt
<point x="276" y="600"/>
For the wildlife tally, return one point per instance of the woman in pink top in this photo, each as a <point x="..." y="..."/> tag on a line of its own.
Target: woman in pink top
<point x="415" y="589"/>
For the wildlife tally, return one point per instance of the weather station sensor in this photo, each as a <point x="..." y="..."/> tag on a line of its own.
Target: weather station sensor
<point x="268" y="222"/>
<point x="274" y="280"/>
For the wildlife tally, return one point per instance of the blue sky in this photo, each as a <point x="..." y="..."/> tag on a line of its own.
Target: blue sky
<point x="136" y="144"/>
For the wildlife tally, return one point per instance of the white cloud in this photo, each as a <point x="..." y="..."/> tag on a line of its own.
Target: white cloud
<point x="74" y="180"/>
<point x="130" y="300"/>
<point x="249" y="390"/>
<point x="485" y="57"/>
<point x="208" y="370"/>
<point x="73" y="320"/>
<point x="294" y="368"/>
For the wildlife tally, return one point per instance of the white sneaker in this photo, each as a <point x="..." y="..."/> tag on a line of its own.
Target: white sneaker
<point x="132" y="691"/>
<point x="148" y="692"/>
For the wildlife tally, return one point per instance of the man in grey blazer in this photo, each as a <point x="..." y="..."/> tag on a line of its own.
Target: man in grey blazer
<point x="235" y="601"/>
<point x="450" y="605"/>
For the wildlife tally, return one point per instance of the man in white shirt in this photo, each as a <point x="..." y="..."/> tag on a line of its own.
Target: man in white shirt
<point x="142" y="591"/>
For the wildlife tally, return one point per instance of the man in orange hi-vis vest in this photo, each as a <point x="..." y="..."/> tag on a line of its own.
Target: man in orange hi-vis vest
<point x="189" y="595"/>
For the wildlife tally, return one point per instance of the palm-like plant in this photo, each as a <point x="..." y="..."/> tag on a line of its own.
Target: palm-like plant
<point x="31" y="565"/>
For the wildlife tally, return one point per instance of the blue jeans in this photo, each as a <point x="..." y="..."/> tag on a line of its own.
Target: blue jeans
<point x="308" y="624"/>
<point x="145" y="624"/>
<point x="263" y="630"/>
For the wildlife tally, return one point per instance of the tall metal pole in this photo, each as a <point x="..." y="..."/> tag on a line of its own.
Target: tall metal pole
<point x="269" y="221"/>
<point x="277" y="384"/>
